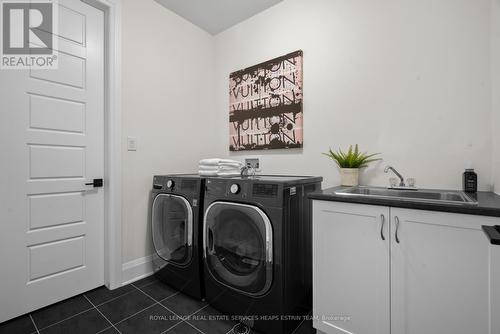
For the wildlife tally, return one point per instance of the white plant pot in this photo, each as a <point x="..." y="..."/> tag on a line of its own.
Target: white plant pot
<point x="349" y="176"/>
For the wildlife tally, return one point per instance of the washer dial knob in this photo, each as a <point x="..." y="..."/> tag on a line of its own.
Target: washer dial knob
<point x="170" y="184"/>
<point x="235" y="188"/>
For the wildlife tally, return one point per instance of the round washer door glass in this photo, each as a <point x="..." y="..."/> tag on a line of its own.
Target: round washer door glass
<point x="172" y="228"/>
<point x="238" y="246"/>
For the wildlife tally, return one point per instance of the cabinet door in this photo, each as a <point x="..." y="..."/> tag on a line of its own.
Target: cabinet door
<point x="350" y="268"/>
<point x="495" y="287"/>
<point x="439" y="273"/>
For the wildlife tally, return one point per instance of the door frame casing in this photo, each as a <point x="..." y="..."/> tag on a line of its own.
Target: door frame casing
<point x="112" y="139"/>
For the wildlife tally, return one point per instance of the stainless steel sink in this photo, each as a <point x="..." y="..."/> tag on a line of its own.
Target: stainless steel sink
<point x="428" y="196"/>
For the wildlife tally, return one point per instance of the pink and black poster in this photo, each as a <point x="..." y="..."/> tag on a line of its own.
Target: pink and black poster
<point x="265" y="105"/>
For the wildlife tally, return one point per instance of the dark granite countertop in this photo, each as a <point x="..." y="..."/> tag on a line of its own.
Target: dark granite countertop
<point x="488" y="202"/>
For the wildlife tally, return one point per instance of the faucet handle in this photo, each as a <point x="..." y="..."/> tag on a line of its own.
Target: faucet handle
<point x="411" y="181"/>
<point x="393" y="181"/>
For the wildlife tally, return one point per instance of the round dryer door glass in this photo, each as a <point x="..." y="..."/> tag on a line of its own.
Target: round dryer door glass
<point x="172" y="228"/>
<point x="238" y="246"/>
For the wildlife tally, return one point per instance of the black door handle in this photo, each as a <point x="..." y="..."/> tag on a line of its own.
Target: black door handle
<point x="97" y="183"/>
<point x="493" y="233"/>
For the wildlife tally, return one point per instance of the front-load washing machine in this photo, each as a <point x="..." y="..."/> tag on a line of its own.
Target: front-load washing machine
<point x="176" y="204"/>
<point x="257" y="248"/>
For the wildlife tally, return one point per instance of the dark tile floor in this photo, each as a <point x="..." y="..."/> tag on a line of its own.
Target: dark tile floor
<point x="146" y="306"/>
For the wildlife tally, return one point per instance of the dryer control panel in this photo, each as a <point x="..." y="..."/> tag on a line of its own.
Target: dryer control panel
<point x="234" y="188"/>
<point x="226" y="188"/>
<point x="245" y="190"/>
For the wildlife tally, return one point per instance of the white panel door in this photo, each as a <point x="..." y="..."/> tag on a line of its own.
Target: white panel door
<point x="439" y="273"/>
<point x="351" y="268"/>
<point x="52" y="137"/>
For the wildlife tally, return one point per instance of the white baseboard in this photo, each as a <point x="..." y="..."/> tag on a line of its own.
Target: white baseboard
<point x="137" y="269"/>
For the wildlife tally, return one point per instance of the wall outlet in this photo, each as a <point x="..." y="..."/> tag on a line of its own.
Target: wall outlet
<point x="131" y="143"/>
<point x="253" y="163"/>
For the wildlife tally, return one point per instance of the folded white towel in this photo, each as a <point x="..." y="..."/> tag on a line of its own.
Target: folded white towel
<point x="235" y="164"/>
<point x="220" y="171"/>
<point x="230" y="168"/>
<point x="217" y="161"/>
<point x="208" y="168"/>
<point x="219" y="167"/>
<point x="207" y="173"/>
<point x="229" y="173"/>
<point x="210" y="162"/>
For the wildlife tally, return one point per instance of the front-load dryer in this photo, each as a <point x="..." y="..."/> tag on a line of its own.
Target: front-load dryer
<point x="257" y="246"/>
<point x="176" y="204"/>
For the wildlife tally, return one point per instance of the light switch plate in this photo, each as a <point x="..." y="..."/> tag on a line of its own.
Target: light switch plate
<point x="254" y="163"/>
<point x="131" y="143"/>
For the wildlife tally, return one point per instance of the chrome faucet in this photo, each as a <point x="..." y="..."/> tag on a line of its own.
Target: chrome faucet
<point x="401" y="178"/>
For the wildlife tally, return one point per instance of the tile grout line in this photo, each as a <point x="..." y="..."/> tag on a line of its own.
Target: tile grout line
<point x="297" y="328"/>
<point x="88" y="309"/>
<point x="101" y="314"/>
<point x="199" y="330"/>
<point x="175" y="325"/>
<point x="190" y="315"/>
<point x="81" y="312"/>
<point x="171" y="327"/>
<point x="140" y="289"/>
<point x="105" y="329"/>
<point x="180" y="318"/>
<point x="70" y="317"/>
<point x="112" y="299"/>
<point x="187" y="317"/>
<point x="34" y="324"/>
<point x="136" y="313"/>
<point x="156" y="302"/>
<point x="175" y="294"/>
<point x="159" y="302"/>
<point x="145" y="285"/>
<point x="144" y="309"/>
<point x="130" y="316"/>
<point x="204" y="307"/>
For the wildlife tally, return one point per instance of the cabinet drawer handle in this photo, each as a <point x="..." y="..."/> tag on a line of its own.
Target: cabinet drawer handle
<point x="382" y="218"/>
<point x="396" y="218"/>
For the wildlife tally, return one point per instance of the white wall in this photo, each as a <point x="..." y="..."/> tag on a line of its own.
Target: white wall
<point x="167" y="101"/>
<point x="495" y="61"/>
<point x="410" y="79"/>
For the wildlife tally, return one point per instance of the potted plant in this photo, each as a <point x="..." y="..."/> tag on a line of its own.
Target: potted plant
<point x="350" y="162"/>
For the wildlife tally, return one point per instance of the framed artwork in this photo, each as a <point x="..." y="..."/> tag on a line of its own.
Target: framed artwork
<point x="265" y="105"/>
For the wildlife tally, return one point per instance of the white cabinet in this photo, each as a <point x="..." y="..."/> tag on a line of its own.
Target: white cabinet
<point x="439" y="273"/>
<point x="351" y="268"/>
<point x="495" y="287"/>
<point x="432" y="273"/>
